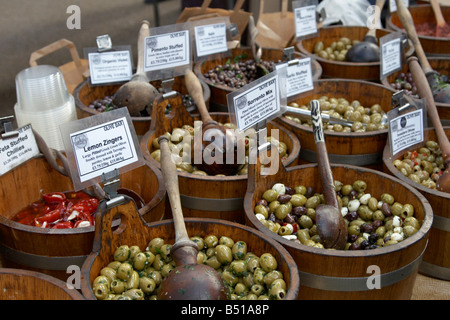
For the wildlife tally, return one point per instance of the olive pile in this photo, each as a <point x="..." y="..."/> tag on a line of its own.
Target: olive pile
<point x="423" y="166"/>
<point x="364" y="118"/>
<point x="106" y="104"/>
<point x="405" y="82"/>
<point x="238" y="73"/>
<point x="136" y="275"/>
<point x="336" y="51"/>
<point x="176" y="140"/>
<point x="372" y="223"/>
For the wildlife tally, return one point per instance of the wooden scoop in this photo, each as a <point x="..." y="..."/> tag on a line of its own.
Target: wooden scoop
<point x="440" y="21"/>
<point x="330" y="223"/>
<point x="137" y="94"/>
<point x="443" y="184"/>
<point x="216" y="141"/>
<point x="189" y="280"/>
<point x="440" y="90"/>
<point x="367" y="50"/>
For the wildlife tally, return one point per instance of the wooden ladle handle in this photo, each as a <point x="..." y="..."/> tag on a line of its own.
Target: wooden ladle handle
<point x="408" y="23"/>
<point x="195" y="90"/>
<point x="325" y="173"/>
<point x="169" y="171"/>
<point x="144" y="32"/>
<point x="440" y="21"/>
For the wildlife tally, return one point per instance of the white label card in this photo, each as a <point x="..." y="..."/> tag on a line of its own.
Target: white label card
<point x="211" y="39"/>
<point x="305" y="21"/>
<point x="103" y="148"/>
<point x="17" y="150"/>
<point x="393" y="5"/>
<point x="391" y="58"/>
<point x="109" y="67"/>
<point x="299" y="77"/>
<point x="167" y="51"/>
<point x="406" y="130"/>
<point x="258" y="103"/>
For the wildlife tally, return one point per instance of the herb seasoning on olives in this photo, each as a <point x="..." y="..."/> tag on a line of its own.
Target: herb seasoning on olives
<point x="372" y="223"/>
<point x="136" y="274"/>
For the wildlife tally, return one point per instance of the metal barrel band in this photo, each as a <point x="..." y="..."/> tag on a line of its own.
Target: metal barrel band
<point x="435" y="271"/>
<point x="441" y="223"/>
<point x="358" y="283"/>
<point x="209" y="204"/>
<point x="58" y="263"/>
<point x="357" y="159"/>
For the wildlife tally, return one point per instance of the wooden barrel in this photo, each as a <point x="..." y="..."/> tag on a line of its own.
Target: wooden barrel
<point x="51" y="251"/>
<point x="341" y="69"/>
<point x="355" y="148"/>
<point x="85" y="94"/>
<point x="134" y="231"/>
<point x="433" y="46"/>
<point x="436" y="261"/>
<point x="342" y="274"/>
<point x="439" y="64"/>
<point x="219" y="197"/>
<point x="20" y="284"/>
<point x="219" y="92"/>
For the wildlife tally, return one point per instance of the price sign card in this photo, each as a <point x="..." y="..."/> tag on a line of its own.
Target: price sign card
<point x="211" y="36"/>
<point x="305" y="18"/>
<point x="17" y="150"/>
<point x="406" y="130"/>
<point x="259" y="101"/>
<point x="391" y="54"/>
<point x="299" y="76"/>
<point x="393" y="5"/>
<point x="101" y="145"/>
<point x="168" y="48"/>
<point x="110" y="67"/>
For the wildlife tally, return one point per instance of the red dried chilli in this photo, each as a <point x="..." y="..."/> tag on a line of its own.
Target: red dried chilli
<point x="59" y="210"/>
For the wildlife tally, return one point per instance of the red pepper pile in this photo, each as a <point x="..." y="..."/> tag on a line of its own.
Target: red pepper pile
<point x="59" y="210"/>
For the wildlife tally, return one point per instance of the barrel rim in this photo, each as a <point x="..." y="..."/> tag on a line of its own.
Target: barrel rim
<point x="413" y="9"/>
<point x="294" y="277"/>
<point x="157" y="199"/>
<point x="73" y="293"/>
<point x="425" y="228"/>
<point x="303" y="50"/>
<point x="198" y="68"/>
<point x="332" y="133"/>
<point x="293" y="155"/>
<point x="390" y="166"/>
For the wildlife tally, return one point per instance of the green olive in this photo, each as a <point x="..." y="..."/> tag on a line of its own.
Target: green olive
<point x="312" y="202"/>
<point x="300" y="190"/>
<point x="101" y="291"/>
<point x="229" y="278"/>
<point x="155" y="245"/>
<point x="268" y="262"/>
<point x="226" y="241"/>
<point x="262" y="210"/>
<point x="346" y="189"/>
<point x="239" y="250"/>
<point x="298" y="200"/>
<point x="211" y="241"/>
<point x="270" y="195"/>
<point x="224" y="255"/>
<point x="110" y="273"/>
<point x="122" y="253"/>
<point x="147" y="285"/>
<point x="303" y="235"/>
<point x="139" y="261"/>
<point x="118" y="286"/>
<point x="318" y="47"/>
<point x="134" y="294"/>
<point x="124" y="271"/>
<point x="386" y="197"/>
<point x="199" y="241"/>
<point x="354" y="230"/>
<point x="274" y="205"/>
<point x="282" y="211"/>
<point x="396" y="208"/>
<point x="213" y="262"/>
<point x="408" y="211"/>
<point x="305" y="221"/>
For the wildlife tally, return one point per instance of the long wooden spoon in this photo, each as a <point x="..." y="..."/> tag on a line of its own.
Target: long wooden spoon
<point x="440" y="21"/>
<point x="217" y="142"/>
<point x="330" y="223"/>
<point x="137" y="94"/>
<point x="189" y="280"/>
<point x="440" y="90"/>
